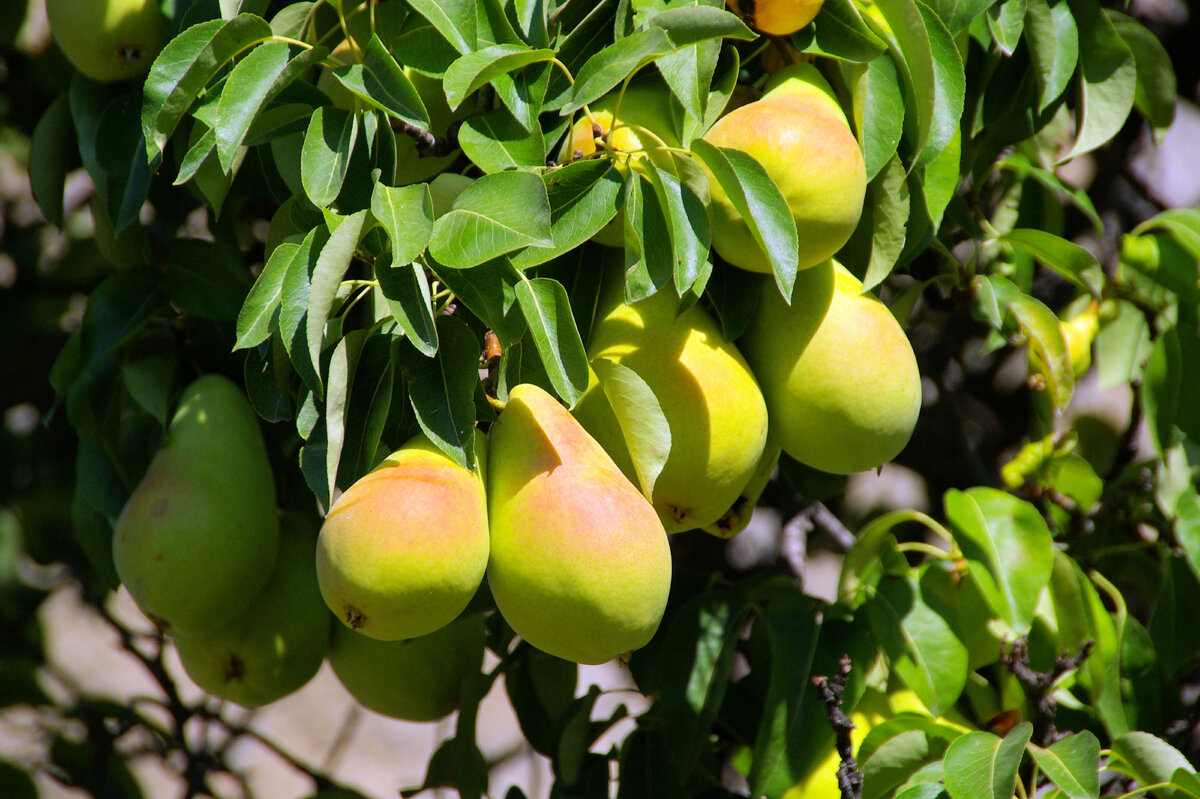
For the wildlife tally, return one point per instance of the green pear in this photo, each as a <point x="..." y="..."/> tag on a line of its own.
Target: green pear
<point x="580" y="564"/>
<point x="839" y="375"/>
<point x="404" y="548"/>
<point x="108" y="40"/>
<point x="716" y="413"/>
<point x="734" y="520"/>
<point x="814" y="159"/>
<point x="776" y="17"/>
<point x="419" y="679"/>
<point x="279" y="643"/>
<point x="198" y="538"/>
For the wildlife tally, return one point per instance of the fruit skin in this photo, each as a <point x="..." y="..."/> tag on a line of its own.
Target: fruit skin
<point x="108" y="40"/>
<point x="840" y="378"/>
<point x="776" y="17"/>
<point x="734" y="520"/>
<point x="278" y="645"/>
<point x="198" y="538"/>
<point x="404" y="549"/>
<point x="580" y="564"/>
<point x="419" y="679"/>
<point x="715" y="410"/>
<point x="814" y="159"/>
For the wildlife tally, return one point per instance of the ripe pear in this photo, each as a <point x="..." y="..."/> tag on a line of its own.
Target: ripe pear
<point x="198" y="538"/>
<point x="737" y="518"/>
<point x="839" y="375"/>
<point x="278" y="645"/>
<point x="404" y="548"/>
<point x="776" y="17"/>
<point x="108" y="40"/>
<point x="580" y="564"/>
<point x="807" y="148"/>
<point x="419" y="679"/>
<point x="715" y="410"/>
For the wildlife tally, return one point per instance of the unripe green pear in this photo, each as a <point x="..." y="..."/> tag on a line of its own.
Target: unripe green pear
<point x="839" y="375"/>
<point x="419" y="679"/>
<point x="198" y="538"/>
<point x="580" y="564"/>
<point x="404" y="549"/>
<point x="108" y="40"/>
<point x="814" y="159"/>
<point x="715" y="411"/>
<point x="278" y="644"/>
<point x="776" y="17"/>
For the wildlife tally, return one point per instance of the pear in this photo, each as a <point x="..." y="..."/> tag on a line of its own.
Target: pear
<point x="716" y="413"/>
<point x="418" y="679"/>
<point x="839" y="375"/>
<point x="404" y="548"/>
<point x="807" y="148"/>
<point x="108" y="40"/>
<point x="737" y="518"/>
<point x="776" y="17"/>
<point x="198" y="538"/>
<point x="580" y="565"/>
<point x="279" y="644"/>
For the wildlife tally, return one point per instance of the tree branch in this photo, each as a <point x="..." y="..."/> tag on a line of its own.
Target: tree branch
<point x="850" y="779"/>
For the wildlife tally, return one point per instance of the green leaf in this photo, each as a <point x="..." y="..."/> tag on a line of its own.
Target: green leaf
<point x="325" y="157"/>
<point x="958" y="14"/>
<point x="950" y="87"/>
<point x="540" y="688"/>
<point x="687" y="221"/>
<point x="471" y="71"/>
<point x="878" y="111"/>
<point x="490" y="292"/>
<point x="644" y="427"/>
<point x="910" y="47"/>
<point x="790" y="627"/>
<point x="341" y="376"/>
<point x="589" y="35"/>
<point x="1064" y="257"/>
<point x="255" y="321"/>
<point x="366" y="413"/>
<point x="1182" y="223"/>
<point x="1109" y="78"/>
<point x="254" y="81"/>
<point x="51" y="149"/>
<point x="689" y="72"/>
<point x="1152" y="761"/>
<point x="1053" y="40"/>
<point x="762" y="206"/>
<point x="583" y="197"/>
<point x="547" y="311"/>
<point x="887" y="215"/>
<point x="981" y="766"/>
<point x="380" y="81"/>
<point x="1006" y="22"/>
<point x="326" y="276"/>
<point x="919" y="642"/>
<point x="1122" y="346"/>
<point x="1072" y="763"/>
<point x="496" y="141"/>
<point x="495" y="215"/>
<point x="185" y="66"/>
<point x="1009" y="547"/>
<point x="293" y="304"/>
<point x="406" y="289"/>
<point x="406" y="213"/>
<point x="291" y="19"/>
<point x="1022" y="166"/>
<point x="690" y="24"/>
<point x="1155" y="95"/>
<point x="698" y="649"/>
<point x="613" y="64"/>
<point x="649" y="260"/>
<point x="454" y="19"/>
<point x="121" y="153"/>
<point x="840" y="32"/>
<point x="441" y="389"/>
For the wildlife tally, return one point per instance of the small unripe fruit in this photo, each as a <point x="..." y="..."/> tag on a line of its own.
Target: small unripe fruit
<point x="108" y="40"/>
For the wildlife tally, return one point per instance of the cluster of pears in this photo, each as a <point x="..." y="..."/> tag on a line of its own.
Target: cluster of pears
<point x="108" y="40"/>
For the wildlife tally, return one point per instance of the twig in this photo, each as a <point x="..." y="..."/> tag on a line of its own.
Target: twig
<point x="1039" y="683"/>
<point x="428" y="145"/>
<point x="850" y="779"/>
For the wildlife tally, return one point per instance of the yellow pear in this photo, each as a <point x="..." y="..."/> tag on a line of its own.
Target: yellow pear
<point x="418" y="679"/>
<point x="580" y="565"/>
<point x="716" y="413"/>
<point x="776" y="17"/>
<point x="108" y="40"/>
<point x="736" y="519"/>
<point x="198" y="538"/>
<point x="279" y="644"/>
<point x="404" y="548"/>
<point x="807" y="148"/>
<point x="839" y="375"/>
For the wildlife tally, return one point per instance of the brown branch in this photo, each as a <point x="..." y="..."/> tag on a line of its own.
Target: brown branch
<point x="1038" y="684"/>
<point x="849" y="777"/>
